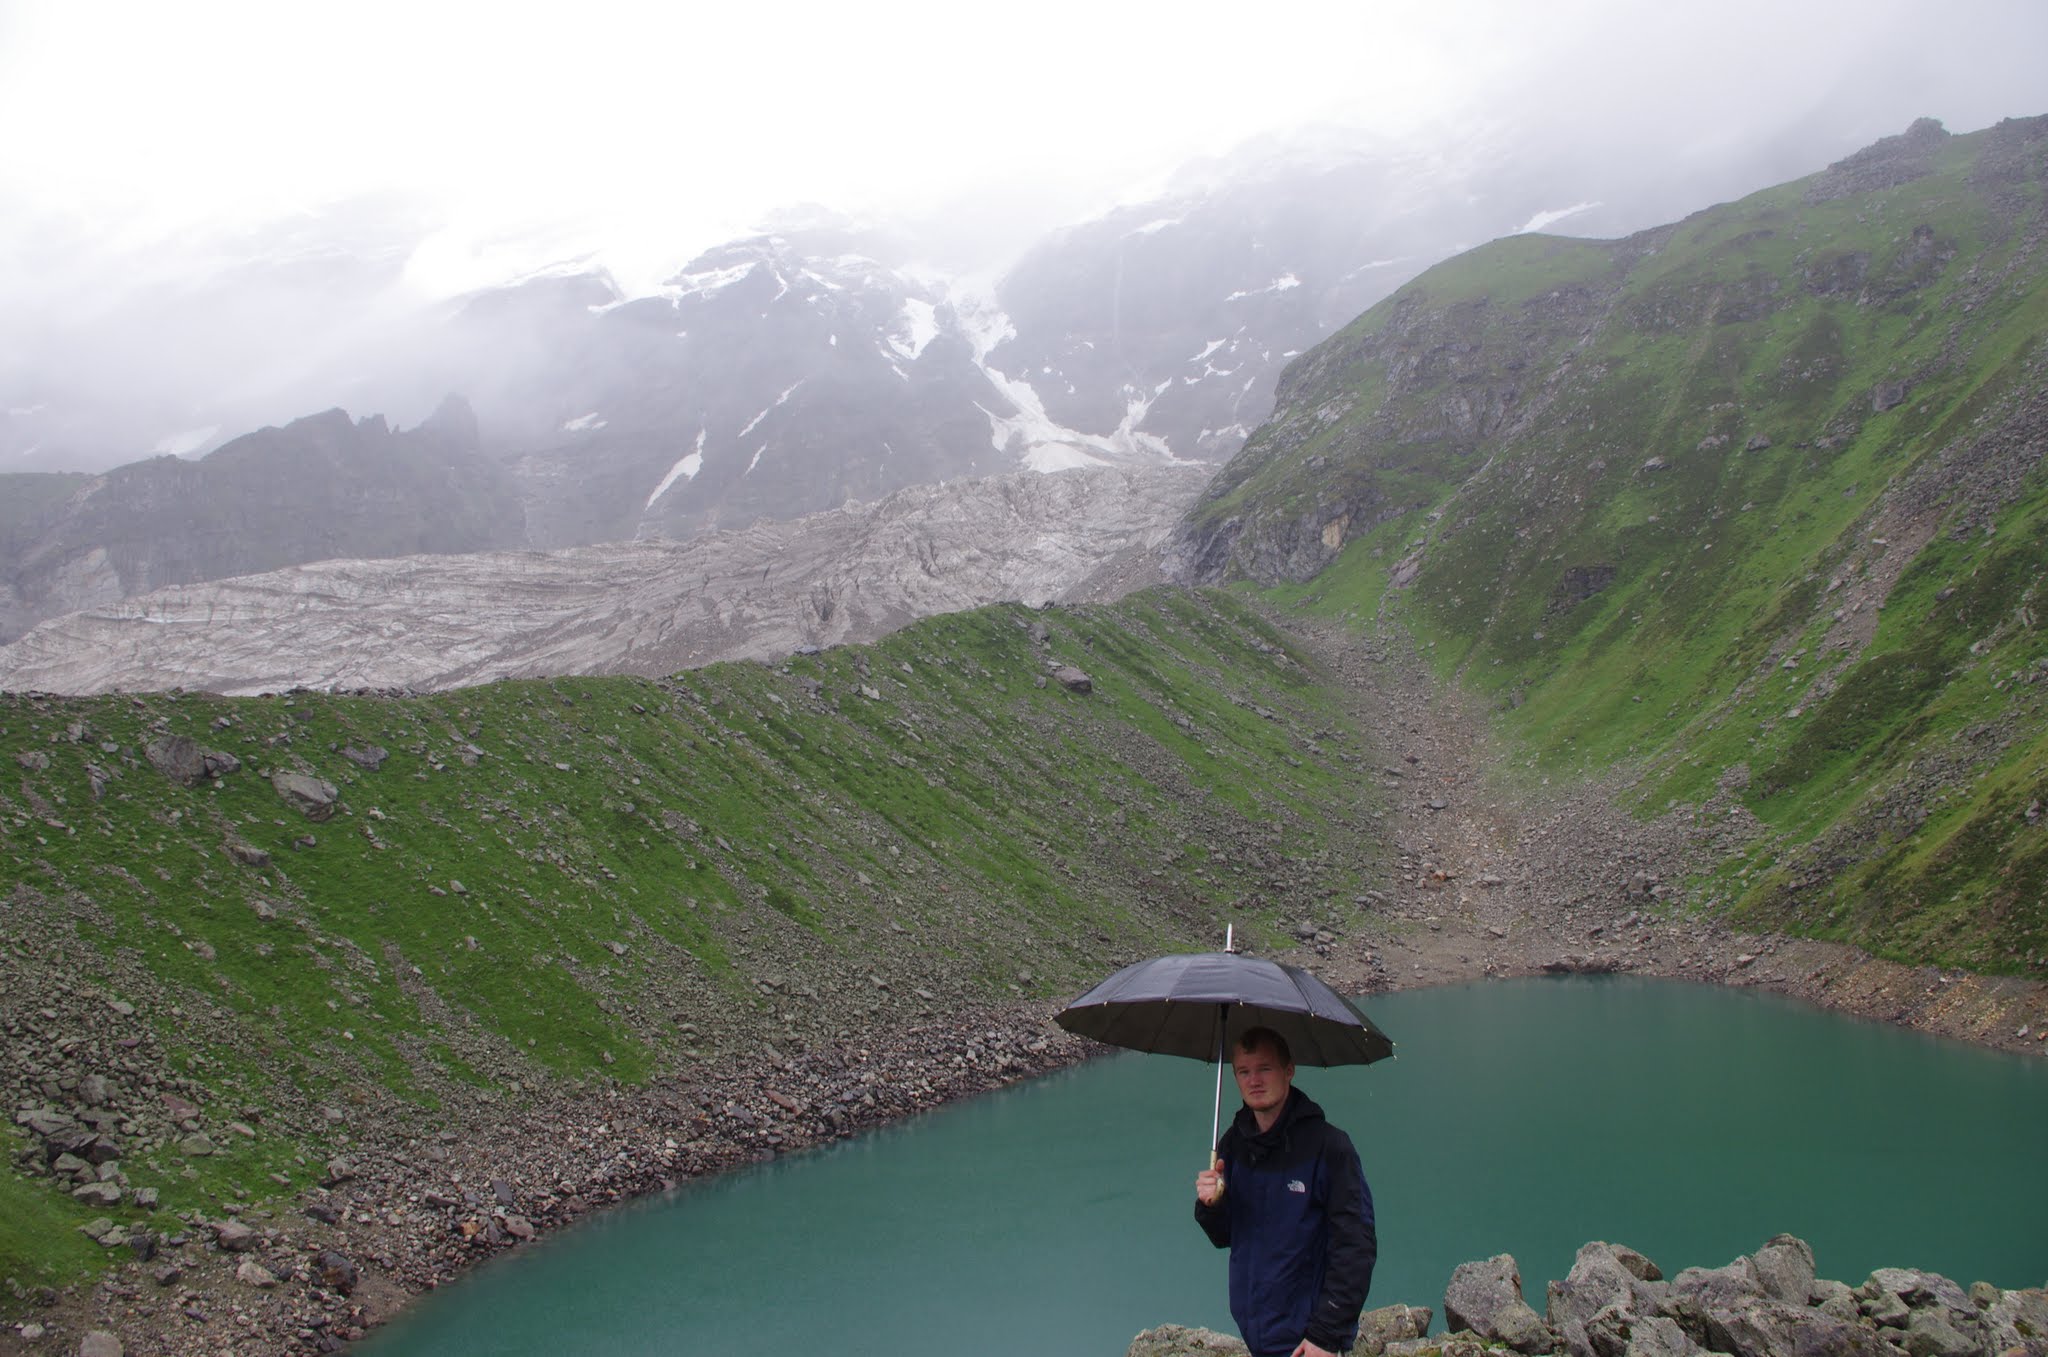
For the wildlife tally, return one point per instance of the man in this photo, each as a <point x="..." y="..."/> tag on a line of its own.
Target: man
<point x="1287" y="1197"/>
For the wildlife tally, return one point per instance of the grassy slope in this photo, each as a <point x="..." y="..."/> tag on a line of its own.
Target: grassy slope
<point x="635" y="856"/>
<point x="1896" y="772"/>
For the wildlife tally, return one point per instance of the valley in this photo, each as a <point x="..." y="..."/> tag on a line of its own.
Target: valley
<point x="1665" y="605"/>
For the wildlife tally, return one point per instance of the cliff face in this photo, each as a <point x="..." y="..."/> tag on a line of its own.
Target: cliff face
<point x="1754" y="501"/>
<point x="318" y="488"/>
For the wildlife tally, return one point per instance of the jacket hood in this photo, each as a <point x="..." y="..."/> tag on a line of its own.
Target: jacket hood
<point x="1244" y="1127"/>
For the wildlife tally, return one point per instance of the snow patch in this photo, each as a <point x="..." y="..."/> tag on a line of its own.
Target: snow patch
<point x="921" y="319"/>
<point x="755" y="460"/>
<point x="685" y="469"/>
<point x="590" y="421"/>
<point x="705" y="283"/>
<point x="1281" y="284"/>
<point x="186" y="443"/>
<point x="1152" y="228"/>
<point x="1552" y="217"/>
<point x="769" y="411"/>
<point x="1213" y="345"/>
<point x="23" y="411"/>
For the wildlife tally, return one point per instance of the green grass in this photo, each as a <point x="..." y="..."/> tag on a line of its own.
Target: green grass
<point x="1688" y="418"/>
<point x="631" y="853"/>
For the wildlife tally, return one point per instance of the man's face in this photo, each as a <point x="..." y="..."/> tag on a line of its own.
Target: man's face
<point x="1262" y="1080"/>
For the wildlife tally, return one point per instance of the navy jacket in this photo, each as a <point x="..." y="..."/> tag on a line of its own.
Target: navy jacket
<point x="1296" y="1216"/>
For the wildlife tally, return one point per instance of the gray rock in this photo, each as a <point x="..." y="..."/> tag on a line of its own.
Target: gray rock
<point x="1604" y="1277"/>
<point x="197" y="1146"/>
<point x="1718" y="1287"/>
<point x="1770" y="1328"/>
<point x="1784" y="1267"/>
<point x="1390" y="1324"/>
<point x="35" y="760"/>
<point x="253" y="1273"/>
<point x="1073" y="680"/>
<point x="1486" y="1297"/>
<point x="336" y="1272"/>
<point x="1834" y="1298"/>
<point x="312" y="797"/>
<point x="92" y="1090"/>
<point x="43" y="1121"/>
<point x="100" y="1343"/>
<point x="1920" y="1289"/>
<point x="146" y="1198"/>
<point x="371" y="758"/>
<point x="98" y="1194"/>
<point x="1886" y="1309"/>
<point x="1657" y="1336"/>
<point x="246" y="853"/>
<point x="1929" y="1334"/>
<point x="1173" y="1340"/>
<point x="2018" y="1319"/>
<point x="183" y="760"/>
<point x="235" y="1237"/>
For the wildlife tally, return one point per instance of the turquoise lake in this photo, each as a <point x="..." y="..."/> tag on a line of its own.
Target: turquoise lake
<point x="1524" y="1117"/>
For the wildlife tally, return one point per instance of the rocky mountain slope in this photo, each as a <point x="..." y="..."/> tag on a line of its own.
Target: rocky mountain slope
<point x="782" y="374"/>
<point x="467" y="908"/>
<point x="650" y="607"/>
<point x="321" y="487"/>
<point x="1753" y="503"/>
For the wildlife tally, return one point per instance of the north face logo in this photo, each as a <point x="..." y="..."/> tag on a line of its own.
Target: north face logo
<point x="1296" y="1185"/>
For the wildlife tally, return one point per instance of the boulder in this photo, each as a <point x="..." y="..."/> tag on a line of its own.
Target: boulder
<point x="1784" y="1268"/>
<point x="253" y="1273"/>
<point x="98" y="1194"/>
<point x="312" y="797"/>
<point x="1390" y="1324"/>
<point x="2018" y="1319"/>
<point x="1761" y="1327"/>
<point x="371" y="758"/>
<point x="1174" y="1340"/>
<point x="178" y="758"/>
<point x="336" y="1272"/>
<point x="44" y="1122"/>
<point x="1929" y="1334"/>
<point x="100" y="1343"/>
<point x="1604" y="1277"/>
<point x="1917" y="1289"/>
<point x="1718" y="1287"/>
<point x="235" y="1237"/>
<point x="1073" y="680"/>
<point x="1486" y="1297"/>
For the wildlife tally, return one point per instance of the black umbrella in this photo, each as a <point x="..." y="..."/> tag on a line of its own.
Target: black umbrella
<point x="1195" y="1005"/>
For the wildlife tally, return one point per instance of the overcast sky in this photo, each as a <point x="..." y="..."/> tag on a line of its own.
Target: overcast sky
<point x="656" y="129"/>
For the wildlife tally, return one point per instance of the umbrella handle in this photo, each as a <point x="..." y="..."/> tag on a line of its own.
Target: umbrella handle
<point x="1216" y="1114"/>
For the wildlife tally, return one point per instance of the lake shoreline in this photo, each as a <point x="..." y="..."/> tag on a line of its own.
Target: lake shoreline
<point x="1486" y="883"/>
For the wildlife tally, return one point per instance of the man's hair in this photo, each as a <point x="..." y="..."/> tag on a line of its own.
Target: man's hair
<point x="1254" y="1039"/>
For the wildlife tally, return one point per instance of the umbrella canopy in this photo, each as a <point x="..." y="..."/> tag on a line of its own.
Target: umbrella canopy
<point x="1194" y="1005"/>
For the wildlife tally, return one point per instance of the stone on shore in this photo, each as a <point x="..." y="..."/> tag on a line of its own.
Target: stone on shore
<point x="1486" y="1298"/>
<point x="1174" y="1340"/>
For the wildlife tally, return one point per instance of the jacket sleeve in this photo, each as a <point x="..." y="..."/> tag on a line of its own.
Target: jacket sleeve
<point x="1354" y="1248"/>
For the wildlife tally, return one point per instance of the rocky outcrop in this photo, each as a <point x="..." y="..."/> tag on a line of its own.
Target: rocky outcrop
<point x="1615" y="1303"/>
<point x="319" y="488"/>
<point x="642" y="607"/>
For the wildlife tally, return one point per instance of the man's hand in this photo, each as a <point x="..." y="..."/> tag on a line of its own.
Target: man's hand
<point x="1209" y="1184"/>
<point x="1307" y="1349"/>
